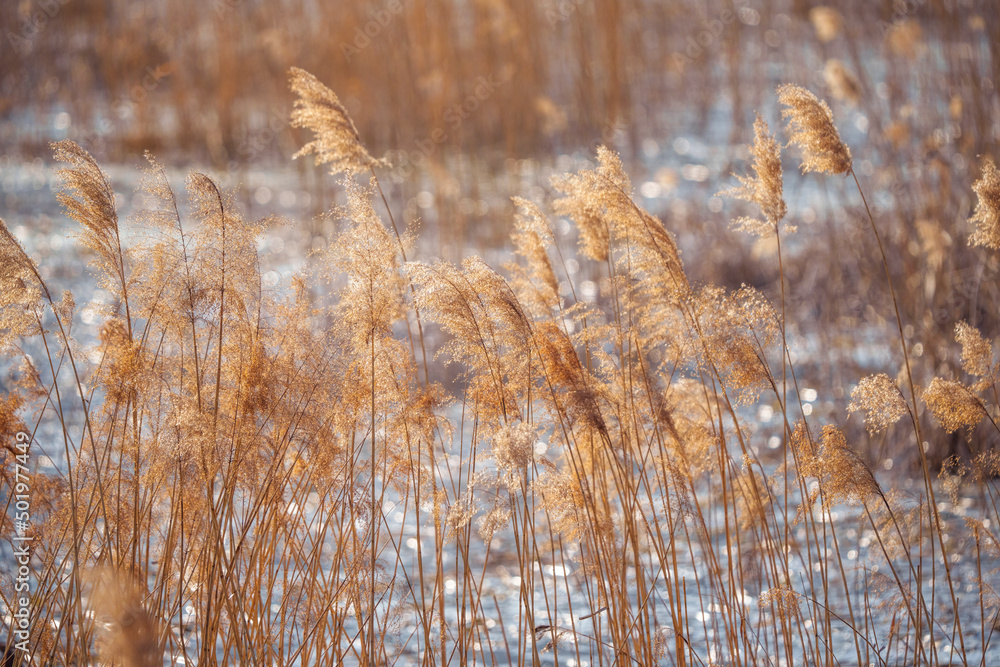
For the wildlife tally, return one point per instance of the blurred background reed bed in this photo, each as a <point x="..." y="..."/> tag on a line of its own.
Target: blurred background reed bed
<point x="488" y="375"/>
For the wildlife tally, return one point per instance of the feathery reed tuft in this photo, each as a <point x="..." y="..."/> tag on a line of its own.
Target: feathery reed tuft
<point x="841" y="81"/>
<point x="337" y="141"/>
<point x="89" y="199"/>
<point x="811" y="128"/>
<point x="764" y="188"/>
<point x="827" y="21"/>
<point x="977" y="354"/>
<point x="737" y="330"/>
<point x="587" y="195"/>
<point x="21" y="290"/>
<point x="513" y="451"/>
<point x="785" y="601"/>
<point x="953" y="404"/>
<point x="536" y="285"/>
<point x="880" y="399"/>
<point x="842" y="474"/>
<point x="987" y="214"/>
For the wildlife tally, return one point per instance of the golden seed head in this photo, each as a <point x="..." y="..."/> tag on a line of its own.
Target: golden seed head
<point x="785" y="601"/>
<point x="904" y="39"/>
<point x="337" y="141"/>
<point x="977" y="352"/>
<point x="879" y="398"/>
<point x="848" y="478"/>
<point x="88" y="198"/>
<point x="764" y="188"/>
<point x="21" y="290"/>
<point x="953" y="404"/>
<point x="810" y="124"/>
<point x="987" y="214"/>
<point x="513" y="450"/>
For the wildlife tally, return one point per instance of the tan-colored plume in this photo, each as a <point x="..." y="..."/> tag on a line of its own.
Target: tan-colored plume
<point x="764" y="188"/>
<point x="842" y="474"/>
<point x="878" y="397"/>
<point x="21" y="290"/>
<point x="89" y="199"/>
<point x="130" y="634"/>
<point x="811" y="128"/>
<point x="987" y="214"/>
<point x="953" y="404"/>
<point x="785" y="601"/>
<point x="977" y="354"/>
<point x="536" y="283"/>
<point x="336" y="141"/>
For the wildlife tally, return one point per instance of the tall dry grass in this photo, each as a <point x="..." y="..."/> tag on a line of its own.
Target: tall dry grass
<point x="261" y="475"/>
<point x="918" y="77"/>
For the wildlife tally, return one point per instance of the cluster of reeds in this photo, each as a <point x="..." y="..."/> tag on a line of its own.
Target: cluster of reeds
<point x="915" y="79"/>
<point x="268" y="475"/>
<point x="169" y="74"/>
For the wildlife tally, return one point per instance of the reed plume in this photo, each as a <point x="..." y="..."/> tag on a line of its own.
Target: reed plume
<point x="842" y="474"/>
<point x="600" y="202"/>
<point x="123" y="367"/>
<point x="810" y="127"/>
<point x="490" y="342"/>
<point x="10" y="423"/>
<point x="337" y="141"/>
<point x="689" y="418"/>
<point x="841" y="81"/>
<point x="954" y="405"/>
<point x="878" y="397"/>
<point x="784" y="600"/>
<point x="575" y="393"/>
<point x="987" y="214"/>
<point x="764" y="188"/>
<point x="366" y="253"/>
<point x="21" y="291"/>
<point x="536" y="284"/>
<point x="89" y="199"/>
<point x="585" y="196"/>
<point x="735" y="333"/>
<point x="513" y="449"/>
